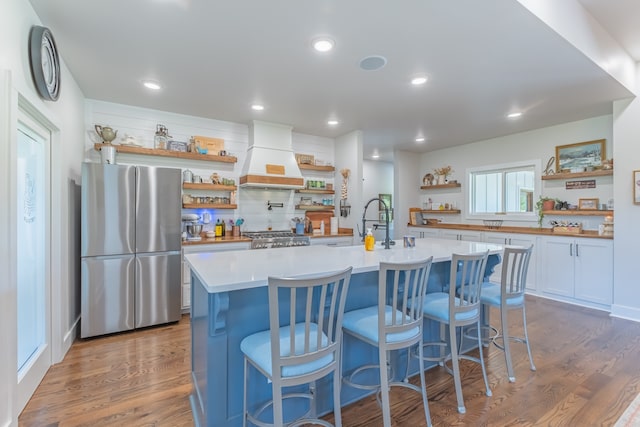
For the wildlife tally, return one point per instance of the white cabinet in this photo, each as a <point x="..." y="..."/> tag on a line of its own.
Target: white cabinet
<point x="192" y="249"/>
<point x="466" y="235"/>
<point x="524" y="240"/>
<point x="579" y="269"/>
<point x="421" y="232"/>
<point x="333" y="241"/>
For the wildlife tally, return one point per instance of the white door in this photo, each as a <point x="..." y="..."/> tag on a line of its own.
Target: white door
<point x="557" y="257"/>
<point x="32" y="225"/>
<point x="594" y="270"/>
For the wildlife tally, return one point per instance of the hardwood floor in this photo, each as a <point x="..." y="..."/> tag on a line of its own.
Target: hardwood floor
<point x="587" y="374"/>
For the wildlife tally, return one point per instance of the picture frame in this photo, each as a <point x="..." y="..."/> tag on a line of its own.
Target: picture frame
<point x="580" y="156"/>
<point x="588" y="204"/>
<point x="636" y="187"/>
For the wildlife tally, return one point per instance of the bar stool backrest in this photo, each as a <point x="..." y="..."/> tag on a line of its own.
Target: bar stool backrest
<point x="401" y="286"/>
<point x="515" y="265"/>
<point x="469" y="272"/>
<point x="314" y="305"/>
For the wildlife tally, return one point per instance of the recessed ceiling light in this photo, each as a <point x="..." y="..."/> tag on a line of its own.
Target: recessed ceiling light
<point x="420" y="139"/>
<point x="514" y="115"/>
<point x="257" y="107"/>
<point x="417" y="81"/>
<point x="323" y="44"/>
<point x="150" y="84"/>
<point x="332" y="122"/>
<point x="372" y="63"/>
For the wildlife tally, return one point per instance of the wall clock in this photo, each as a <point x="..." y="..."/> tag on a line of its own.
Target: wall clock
<point x="45" y="63"/>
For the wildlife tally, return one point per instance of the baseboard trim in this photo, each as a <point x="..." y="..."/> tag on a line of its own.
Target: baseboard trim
<point x="625" y="312"/>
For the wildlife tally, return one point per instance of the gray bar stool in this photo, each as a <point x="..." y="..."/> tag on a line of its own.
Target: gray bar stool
<point x="509" y="295"/>
<point x="394" y="324"/>
<point x="302" y="351"/>
<point x="457" y="308"/>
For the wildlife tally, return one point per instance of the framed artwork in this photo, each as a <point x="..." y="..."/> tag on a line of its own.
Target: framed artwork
<point x="577" y="157"/>
<point x="387" y="200"/>
<point x="588" y="204"/>
<point x="636" y="187"/>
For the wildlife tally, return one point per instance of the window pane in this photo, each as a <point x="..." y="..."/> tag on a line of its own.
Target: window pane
<point x="508" y="190"/>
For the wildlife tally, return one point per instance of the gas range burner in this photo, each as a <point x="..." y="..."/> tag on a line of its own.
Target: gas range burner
<point x="268" y="234"/>
<point x="276" y="239"/>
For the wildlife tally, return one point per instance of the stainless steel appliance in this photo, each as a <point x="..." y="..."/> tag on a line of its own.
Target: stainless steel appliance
<point x="131" y="246"/>
<point x="276" y="239"/>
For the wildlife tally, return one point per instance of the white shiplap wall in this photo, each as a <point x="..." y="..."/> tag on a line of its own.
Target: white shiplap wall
<point x="252" y="203"/>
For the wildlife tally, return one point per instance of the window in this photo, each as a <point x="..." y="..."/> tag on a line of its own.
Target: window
<point x="503" y="189"/>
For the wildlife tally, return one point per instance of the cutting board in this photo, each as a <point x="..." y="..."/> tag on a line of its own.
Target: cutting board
<point x="320" y="216"/>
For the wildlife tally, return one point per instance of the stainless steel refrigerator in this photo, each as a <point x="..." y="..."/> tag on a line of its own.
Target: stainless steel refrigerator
<point x="130" y="251"/>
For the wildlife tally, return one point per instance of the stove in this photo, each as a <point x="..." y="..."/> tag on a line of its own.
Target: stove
<point x="276" y="239"/>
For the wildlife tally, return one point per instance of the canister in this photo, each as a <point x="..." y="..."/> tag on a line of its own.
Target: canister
<point x="108" y="154"/>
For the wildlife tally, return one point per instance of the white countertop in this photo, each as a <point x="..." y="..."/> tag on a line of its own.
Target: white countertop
<point x="244" y="269"/>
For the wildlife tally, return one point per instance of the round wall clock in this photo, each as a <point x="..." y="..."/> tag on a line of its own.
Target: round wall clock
<point x="45" y="63"/>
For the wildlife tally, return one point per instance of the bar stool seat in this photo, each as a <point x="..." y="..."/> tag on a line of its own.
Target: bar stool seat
<point x="301" y="352"/>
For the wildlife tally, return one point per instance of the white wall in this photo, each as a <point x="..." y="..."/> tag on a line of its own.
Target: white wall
<point x="65" y="116"/>
<point x="538" y="145"/>
<point x="252" y="203"/>
<point x="406" y="184"/>
<point x="626" y="131"/>
<point x="348" y="155"/>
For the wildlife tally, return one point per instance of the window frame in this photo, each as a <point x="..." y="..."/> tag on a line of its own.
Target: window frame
<point x="502" y="167"/>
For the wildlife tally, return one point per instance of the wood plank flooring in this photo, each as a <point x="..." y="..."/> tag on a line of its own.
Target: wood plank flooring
<point x="587" y="363"/>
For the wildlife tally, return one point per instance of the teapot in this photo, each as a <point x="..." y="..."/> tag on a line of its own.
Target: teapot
<point x="106" y="133"/>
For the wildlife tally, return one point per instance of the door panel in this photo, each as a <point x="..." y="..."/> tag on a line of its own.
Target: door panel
<point x="107" y="294"/>
<point x="594" y="270"/>
<point x="158" y="209"/>
<point x="158" y="288"/>
<point x="558" y="262"/>
<point x="107" y="209"/>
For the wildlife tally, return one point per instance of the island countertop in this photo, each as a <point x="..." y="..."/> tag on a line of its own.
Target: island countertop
<point x="237" y="270"/>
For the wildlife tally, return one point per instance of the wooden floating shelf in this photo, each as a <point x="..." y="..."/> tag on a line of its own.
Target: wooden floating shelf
<point x="208" y="206"/>
<point x="305" y="166"/>
<point x="601" y="172"/>
<point x="576" y="212"/>
<point x="311" y="191"/>
<point x="430" y="187"/>
<point x="315" y="207"/>
<point x="168" y="153"/>
<point x="441" y="211"/>
<point x="204" y="186"/>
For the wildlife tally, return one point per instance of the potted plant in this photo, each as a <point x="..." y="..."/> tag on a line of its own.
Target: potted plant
<point x="545" y="204"/>
<point x="443" y="173"/>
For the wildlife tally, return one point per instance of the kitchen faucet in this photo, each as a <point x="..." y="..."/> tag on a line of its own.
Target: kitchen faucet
<point x="387" y="241"/>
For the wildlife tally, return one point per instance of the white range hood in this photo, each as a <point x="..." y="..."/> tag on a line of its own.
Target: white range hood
<point x="270" y="161"/>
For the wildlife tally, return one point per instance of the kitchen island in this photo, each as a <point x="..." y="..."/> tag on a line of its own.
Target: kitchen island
<point x="229" y="302"/>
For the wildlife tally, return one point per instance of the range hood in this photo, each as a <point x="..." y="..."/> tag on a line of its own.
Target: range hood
<point x="270" y="161"/>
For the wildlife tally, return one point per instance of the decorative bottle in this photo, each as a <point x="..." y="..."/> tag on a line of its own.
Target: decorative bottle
<point x="369" y="240"/>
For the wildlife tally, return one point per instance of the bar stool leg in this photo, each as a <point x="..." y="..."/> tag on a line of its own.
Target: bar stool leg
<point x="384" y="389"/>
<point x="526" y="337"/>
<point x="453" y="343"/>
<point x="504" y="325"/>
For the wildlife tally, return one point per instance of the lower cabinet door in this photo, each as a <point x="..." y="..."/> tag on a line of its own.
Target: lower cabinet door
<point x="594" y="270"/>
<point x="556" y="255"/>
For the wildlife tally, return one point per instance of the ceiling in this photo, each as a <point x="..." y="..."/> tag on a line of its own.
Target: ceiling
<point x="215" y="59"/>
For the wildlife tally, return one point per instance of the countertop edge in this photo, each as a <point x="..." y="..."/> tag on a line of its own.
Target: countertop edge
<point x="593" y="234"/>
